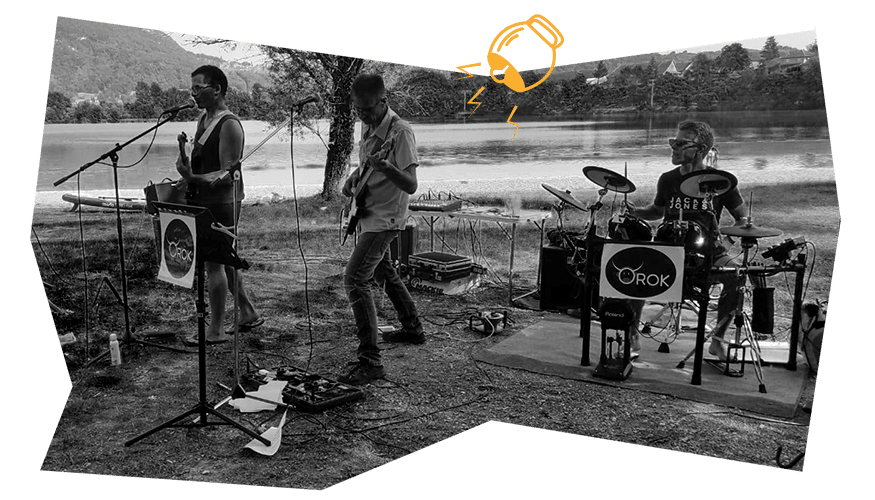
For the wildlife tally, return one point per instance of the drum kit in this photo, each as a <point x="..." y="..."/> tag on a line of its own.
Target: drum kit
<point x="699" y="242"/>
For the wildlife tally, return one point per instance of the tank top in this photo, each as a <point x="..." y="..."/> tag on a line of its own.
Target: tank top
<point x="205" y="159"/>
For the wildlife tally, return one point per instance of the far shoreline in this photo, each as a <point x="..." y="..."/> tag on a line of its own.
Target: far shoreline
<point x="583" y="189"/>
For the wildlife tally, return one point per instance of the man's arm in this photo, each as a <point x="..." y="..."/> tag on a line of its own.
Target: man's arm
<point x="738" y="212"/>
<point x="404" y="175"/>
<point x="404" y="179"/>
<point x="650" y="212"/>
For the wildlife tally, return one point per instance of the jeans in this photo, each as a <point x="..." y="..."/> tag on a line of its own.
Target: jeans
<point x="370" y="262"/>
<point x="727" y="303"/>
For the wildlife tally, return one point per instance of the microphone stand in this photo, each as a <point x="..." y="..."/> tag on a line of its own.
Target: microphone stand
<point x="112" y="155"/>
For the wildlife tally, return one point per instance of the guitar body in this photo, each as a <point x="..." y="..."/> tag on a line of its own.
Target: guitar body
<point x="355" y="205"/>
<point x="190" y="188"/>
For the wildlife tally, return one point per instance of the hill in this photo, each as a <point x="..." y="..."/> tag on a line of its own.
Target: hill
<point x="110" y="59"/>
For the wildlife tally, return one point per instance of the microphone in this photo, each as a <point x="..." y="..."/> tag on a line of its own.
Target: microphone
<point x="179" y="108"/>
<point x="307" y="100"/>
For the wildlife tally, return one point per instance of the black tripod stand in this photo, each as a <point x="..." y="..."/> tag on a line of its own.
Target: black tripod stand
<point x="215" y="249"/>
<point x="112" y="155"/>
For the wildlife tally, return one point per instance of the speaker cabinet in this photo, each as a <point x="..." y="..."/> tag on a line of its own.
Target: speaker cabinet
<point x="560" y="289"/>
<point x="404" y="245"/>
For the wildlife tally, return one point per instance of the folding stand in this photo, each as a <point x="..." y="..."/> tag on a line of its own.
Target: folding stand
<point x="215" y="248"/>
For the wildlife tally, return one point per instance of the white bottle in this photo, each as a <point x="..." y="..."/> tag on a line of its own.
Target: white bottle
<point x="114" y="352"/>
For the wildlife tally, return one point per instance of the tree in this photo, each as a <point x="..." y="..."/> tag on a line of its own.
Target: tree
<point x="601" y="70"/>
<point x="296" y="73"/>
<point x="86" y="112"/>
<point x="733" y="57"/>
<point x="424" y="92"/>
<point x="770" y="50"/>
<point x="57" y="107"/>
<point x="812" y="47"/>
<point x="652" y="66"/>
<point x="700" y="72"/>
<point x="260" y="101"/>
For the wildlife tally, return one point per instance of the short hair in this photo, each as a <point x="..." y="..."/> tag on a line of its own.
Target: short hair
<point x="368" y="84"/>
<point x="213" y="76"/>
<point x="704" y="134"/>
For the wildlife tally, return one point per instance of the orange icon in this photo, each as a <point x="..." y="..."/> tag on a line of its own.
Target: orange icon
<point x="499" y="64"/>
<point x="532" y="41"/>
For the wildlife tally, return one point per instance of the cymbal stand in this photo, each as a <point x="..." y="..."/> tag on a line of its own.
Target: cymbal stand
<point x="593" y="209"/>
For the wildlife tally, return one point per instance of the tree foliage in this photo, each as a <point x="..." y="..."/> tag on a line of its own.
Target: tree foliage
<point x="57" y="108"/>
<point x="770" y="50"/>
<point x="733" y="57"/>
<point x="296" y="74"/>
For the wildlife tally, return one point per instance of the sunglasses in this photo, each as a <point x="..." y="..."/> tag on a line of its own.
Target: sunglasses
<point x="682" y="144"/>
<point x="364" y="111"/>
<point x="195" y="90"/>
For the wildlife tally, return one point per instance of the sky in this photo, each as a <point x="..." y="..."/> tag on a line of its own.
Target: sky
<point x="247" y="52"/>
<point x="798" y="40"/>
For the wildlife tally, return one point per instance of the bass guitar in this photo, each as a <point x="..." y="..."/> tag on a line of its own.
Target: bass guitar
<point x="190" y="188"/>
<point x="355" y="206"/>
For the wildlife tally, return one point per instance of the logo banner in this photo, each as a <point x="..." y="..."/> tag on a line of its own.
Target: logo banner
<point x="178" y="248"/>
<point x="642" y="271"/>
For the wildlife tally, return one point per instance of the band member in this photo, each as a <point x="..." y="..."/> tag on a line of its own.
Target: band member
<point x="689" y="150"/>
<point x="386" y="192"/>
<point x="218" y="147"/>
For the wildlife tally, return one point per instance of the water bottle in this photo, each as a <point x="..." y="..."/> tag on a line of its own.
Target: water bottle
<point x="114" y="352"/>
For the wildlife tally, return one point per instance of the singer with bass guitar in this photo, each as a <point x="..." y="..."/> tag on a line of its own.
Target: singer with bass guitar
<point x="215" y="157"/>
<point x="380" y="189"/>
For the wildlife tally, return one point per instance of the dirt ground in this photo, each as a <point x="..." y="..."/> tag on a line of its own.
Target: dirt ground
<point x="431" y="392"/>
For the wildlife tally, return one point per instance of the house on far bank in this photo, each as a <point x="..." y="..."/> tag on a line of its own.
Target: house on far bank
<point x="81" y="97"/>
<point x="787" y="64"/>
<point x="669" y="67"/>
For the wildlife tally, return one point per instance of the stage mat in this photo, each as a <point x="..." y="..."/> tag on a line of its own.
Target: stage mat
<point x="553" y="347"/>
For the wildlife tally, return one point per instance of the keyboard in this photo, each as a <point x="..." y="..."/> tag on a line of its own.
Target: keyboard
<point x="435" y="205"/>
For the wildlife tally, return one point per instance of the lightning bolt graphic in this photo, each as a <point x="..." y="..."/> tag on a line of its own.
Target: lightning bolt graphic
<point x="512" y="123"/>
<point x="462" y="69"/>
<point x="472" y="101"/>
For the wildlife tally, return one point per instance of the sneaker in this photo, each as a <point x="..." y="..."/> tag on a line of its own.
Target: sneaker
<point x="362" y="373"/>
<point x="404" y="336"/>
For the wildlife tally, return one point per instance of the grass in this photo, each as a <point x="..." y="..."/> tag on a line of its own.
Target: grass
<point x="431" y="393"/>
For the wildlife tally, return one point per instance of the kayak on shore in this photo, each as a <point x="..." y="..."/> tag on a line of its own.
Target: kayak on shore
<point x="130" y="204"/>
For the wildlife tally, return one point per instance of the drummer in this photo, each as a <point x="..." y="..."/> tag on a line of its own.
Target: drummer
<point x="689" y="150"/>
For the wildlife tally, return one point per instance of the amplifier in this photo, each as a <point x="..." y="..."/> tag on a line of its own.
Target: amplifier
<point x="560" y="288"/>
<point x="404" y="245"/>
<point x="435" y="205"/>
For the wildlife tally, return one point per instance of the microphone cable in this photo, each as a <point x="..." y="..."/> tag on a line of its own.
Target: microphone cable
<point x="298" y="236"/>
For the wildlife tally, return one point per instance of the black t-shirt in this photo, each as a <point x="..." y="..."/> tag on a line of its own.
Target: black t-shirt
<point x="670" y="197"/>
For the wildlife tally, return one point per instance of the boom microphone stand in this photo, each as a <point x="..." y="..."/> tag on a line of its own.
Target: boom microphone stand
<point x="127" y="336"/>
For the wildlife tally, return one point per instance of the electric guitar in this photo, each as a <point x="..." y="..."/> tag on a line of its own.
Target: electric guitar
<point x="355" y="206"/>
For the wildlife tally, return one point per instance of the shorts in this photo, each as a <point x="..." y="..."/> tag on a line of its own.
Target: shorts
<point x="222" y="212"/>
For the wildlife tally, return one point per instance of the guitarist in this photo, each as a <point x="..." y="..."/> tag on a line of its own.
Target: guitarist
<point x="218" y="147"/>
<point x="389" y="178"/>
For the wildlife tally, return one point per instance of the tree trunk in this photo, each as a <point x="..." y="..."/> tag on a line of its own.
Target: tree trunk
<point x="341" y="130"/>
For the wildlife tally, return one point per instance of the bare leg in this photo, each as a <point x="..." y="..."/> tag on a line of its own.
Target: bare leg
<point x="217" y="288"/>
<point x="247" y="309"/>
